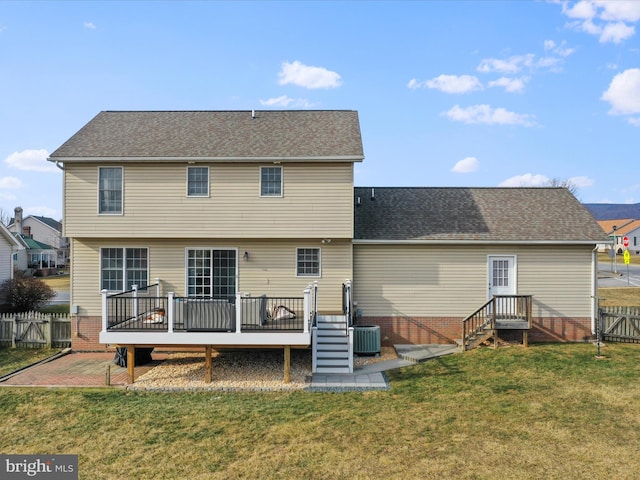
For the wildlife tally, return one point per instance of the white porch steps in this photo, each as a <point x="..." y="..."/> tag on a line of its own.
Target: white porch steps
<point x="332" y="352"/>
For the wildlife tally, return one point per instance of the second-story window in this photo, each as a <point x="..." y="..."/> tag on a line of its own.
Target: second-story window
<point x="197" y="181"/>
<point x="270" y="181"/>
<point x="110" y="190"/>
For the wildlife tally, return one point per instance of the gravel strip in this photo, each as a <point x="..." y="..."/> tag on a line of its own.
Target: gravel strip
<point x="247" y="370"/>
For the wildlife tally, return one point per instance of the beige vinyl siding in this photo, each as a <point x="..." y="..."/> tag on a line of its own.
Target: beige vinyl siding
<point x="5" y="259"/>
<point x="559" y="279"/>
<point x="270" y="270"/>
<point x="451" y="281"/>
<point x="317" y="202"/>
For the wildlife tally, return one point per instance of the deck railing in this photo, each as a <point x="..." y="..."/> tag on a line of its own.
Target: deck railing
<point x="135" y="310"/>
<point x="499" y="309"/>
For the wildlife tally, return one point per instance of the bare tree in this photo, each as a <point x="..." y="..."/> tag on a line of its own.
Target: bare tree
<point x="5" y="217"/>
<point x="563" y="183"/>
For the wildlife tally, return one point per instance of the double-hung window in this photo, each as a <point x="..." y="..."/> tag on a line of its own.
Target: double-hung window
<point x="270" y="181"/>
<point x="121" y="268"/>
<point x="197" y="181"/>
<point x="308" y="262"/>
<point x="110" y="190"/>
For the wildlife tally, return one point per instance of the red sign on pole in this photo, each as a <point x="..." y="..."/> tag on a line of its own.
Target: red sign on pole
<point x="625" y="241"/>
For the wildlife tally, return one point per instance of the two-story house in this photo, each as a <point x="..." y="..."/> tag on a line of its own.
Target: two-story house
<point x="218" y="205"/>
<point x="249" y="231"/>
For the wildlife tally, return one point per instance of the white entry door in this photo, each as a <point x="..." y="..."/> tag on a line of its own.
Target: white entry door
<point x="502" y="276"/>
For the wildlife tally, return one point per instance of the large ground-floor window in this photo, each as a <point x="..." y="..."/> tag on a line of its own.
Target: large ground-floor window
<point x="121" y="268"/>
<point x="211" y="273"/>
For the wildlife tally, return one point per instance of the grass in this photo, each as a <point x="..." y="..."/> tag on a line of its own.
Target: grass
<point x="633" y="259"/>
<point x="623" y="296"/>
<point x="12" y="359"/>
<point x="549" y="411"/>
<point x="58" y="282"/>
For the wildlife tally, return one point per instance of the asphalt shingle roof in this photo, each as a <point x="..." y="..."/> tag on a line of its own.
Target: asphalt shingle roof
<point x="295" y="134"/>
<point x="481" y="214"/>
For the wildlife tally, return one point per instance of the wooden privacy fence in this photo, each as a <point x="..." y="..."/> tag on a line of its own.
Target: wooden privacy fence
<point x="619" y="324"/>
<point x="35" y="330"/>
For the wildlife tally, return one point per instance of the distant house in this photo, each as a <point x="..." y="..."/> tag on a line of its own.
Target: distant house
<point x="9" y="249"/>
<point x="44" y="230"/>
<point x="616" y="230"/>
<point x="34" y="256"/>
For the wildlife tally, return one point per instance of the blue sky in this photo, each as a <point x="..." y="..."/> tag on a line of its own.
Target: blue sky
<point x="452" y="93"/>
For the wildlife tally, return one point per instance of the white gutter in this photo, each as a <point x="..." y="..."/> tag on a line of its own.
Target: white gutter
<point x="127" y="159"/>
<point x="468" y="242"/>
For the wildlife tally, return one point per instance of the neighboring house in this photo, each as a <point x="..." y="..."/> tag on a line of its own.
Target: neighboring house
<point x="631" y="230"/>
<point x="240" y="213"/>
<point x="616" y="230"/>
<point x="9" y="249"/>
<point x="34" y="255"/>
<point x="45" y="230"/>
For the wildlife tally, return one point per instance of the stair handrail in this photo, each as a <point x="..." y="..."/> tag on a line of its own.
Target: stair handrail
<point x="347" y="302"/>
<point x="489" y="319"/>
<point x="517" y="306"/>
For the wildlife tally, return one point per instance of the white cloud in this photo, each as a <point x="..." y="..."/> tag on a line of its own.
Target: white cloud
<point x="581" y="181"/>
<point x="90" y="25"/>
<point x="285" y="101"/>
<point x="624" y="93"/>
<point x="539" y="180"/>
<point x="450" y="83"/>
<point x="635" y="121"/>
<point x="526" y="180"/>
<point x="466" y="165"/>
<point x="616" y="32"/>
<point x="612" y="21"/>
<point x="10" y="183"/>
<point x="510" y="65"/>
<point x="33" y="160"/>
<point x="484" y="114"/>
<point x="619" y="10"/>
<point x="511" y="85"/>
<point x="306" y="76"/>
<point x="517" y="63"/>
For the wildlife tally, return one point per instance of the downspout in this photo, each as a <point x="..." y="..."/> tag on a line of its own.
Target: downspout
<point x="594" y="288"/>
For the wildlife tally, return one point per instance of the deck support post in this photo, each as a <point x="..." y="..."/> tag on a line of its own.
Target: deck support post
<point x="495" y="338"/>
<point x="287" y="364"/>
<point x="131" y="362"/>
<point x="525" y="338"/>
<point x="208" y="374"/>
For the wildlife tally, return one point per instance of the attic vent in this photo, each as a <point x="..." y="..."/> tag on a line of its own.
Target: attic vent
<point x="358" y="202"/>
<point x="373" y="194"/>
<point x="253" y="114"/>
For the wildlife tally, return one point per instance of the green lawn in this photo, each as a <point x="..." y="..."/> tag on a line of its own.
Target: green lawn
<point x="549" y="411"/>
<point x="12" y="359"/>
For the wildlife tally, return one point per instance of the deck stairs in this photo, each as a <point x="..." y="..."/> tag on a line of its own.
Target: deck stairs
<point x="479" y="336"/>
<point x="501" y="312"/>
<point x="332" y="345"/>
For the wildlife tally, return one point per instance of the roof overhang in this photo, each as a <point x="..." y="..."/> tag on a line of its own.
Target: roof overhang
<point x="345" y="158"/>
<point x="479" y="242"/>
